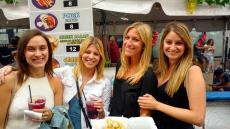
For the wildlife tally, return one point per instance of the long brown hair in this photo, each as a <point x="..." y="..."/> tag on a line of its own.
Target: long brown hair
<point x="22" y="64"/>
<point x="184" y="62"/>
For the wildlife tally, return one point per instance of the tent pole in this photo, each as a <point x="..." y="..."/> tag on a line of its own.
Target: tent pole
<point x="226" y="44"/>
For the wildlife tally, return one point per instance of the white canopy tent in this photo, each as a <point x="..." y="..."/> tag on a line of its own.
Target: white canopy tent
<point x="170" y="7"/>
<point x="15" y="11"/>
<point x="155" y="11"/>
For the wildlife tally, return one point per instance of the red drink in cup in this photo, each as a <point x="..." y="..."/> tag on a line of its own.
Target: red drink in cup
<point x="91" y="110"/>
<point x="38" y="102"/>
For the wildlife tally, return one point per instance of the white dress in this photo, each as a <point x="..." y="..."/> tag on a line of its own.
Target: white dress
<point x="39" y="86"/>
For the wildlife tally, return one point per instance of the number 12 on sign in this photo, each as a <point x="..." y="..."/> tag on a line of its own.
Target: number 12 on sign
<point x="74" y="48"/>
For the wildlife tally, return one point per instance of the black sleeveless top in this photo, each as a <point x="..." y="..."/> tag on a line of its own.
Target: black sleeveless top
<point x="180" y="99"/>
<point x="124" y="100"/>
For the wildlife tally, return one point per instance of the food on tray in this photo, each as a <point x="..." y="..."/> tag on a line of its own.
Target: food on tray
<point x="113" y="124"/>
<point x="124" y="123"/>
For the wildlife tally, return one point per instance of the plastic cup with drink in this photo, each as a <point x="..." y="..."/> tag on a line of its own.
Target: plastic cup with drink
<point x="35" y="102"/>
<point x="91" y="109"/>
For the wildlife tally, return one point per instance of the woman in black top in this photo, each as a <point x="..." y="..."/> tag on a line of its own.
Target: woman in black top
<point x="180" y="102"/>
<point x="134" y="76"/>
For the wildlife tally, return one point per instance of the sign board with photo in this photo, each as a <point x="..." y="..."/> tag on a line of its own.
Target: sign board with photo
<point x="76" y="21"/>
<point x="69" y="21"/>
<point x="47" y="5"/>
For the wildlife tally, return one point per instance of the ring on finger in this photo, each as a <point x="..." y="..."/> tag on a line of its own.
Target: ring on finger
<point x="45" y="117"/>
<point x="44" y="114"/>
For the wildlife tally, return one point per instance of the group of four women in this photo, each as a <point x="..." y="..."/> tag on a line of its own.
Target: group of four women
<point x="174" y="95"/>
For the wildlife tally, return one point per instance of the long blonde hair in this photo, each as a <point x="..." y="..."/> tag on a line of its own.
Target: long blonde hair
<point x="100" y="66"/>
<point x="145" y="33"/>
<point x="184" y="62"/>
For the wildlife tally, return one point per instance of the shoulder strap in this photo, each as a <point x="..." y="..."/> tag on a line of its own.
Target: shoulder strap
<point x="88" y="124"/>
<point x="11" y="99"/>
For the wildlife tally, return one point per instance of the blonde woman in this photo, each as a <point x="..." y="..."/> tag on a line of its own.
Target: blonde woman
<point x="134" y="76"/>
<point x="89" y="73"/>
<point x="180" y="102"/>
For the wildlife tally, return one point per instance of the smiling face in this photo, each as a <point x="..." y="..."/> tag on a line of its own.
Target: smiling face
<point x="133" y="45"/>
<point x="173" y="46"/>
<point x="91" y="57"/>
<point x="36" y="53"/>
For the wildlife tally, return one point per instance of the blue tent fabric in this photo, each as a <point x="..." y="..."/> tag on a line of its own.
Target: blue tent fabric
<point x="217" y="95"/>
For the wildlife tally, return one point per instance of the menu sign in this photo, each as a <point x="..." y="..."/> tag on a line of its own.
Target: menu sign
<point x="38" y="5"/>
<point x="70" y="21"/>
<point x="70" y="3"/>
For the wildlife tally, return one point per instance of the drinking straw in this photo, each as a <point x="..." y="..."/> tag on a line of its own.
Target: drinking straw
<point x="30" y="94"/>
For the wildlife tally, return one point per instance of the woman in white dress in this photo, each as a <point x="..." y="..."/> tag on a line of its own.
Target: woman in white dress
<point x="34" y="75"/>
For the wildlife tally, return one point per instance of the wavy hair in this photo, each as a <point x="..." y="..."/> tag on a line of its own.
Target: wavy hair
<point x="145" y="34"/>
<point x="183" y="63"/>
<point x="100" y="66"/>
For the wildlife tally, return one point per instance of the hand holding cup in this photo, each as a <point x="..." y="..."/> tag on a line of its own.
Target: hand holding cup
<point x="94" y="105"/>
<point x="37" y="110"/>
<point x="46" y="114"/>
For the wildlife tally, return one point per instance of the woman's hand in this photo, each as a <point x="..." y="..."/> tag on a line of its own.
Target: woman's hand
<point x="147" y="101"/>
<point x="99" y="105"/>
<point x="47" y="114"/>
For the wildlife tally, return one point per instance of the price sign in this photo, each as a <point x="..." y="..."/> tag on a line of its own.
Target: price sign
<point x="71" y="26"/>
<point x="72" y="48"/>
<point x="70" y="3"/>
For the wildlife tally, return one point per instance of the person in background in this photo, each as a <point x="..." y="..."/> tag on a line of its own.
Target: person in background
<point x="154" y="41"/>
<point x="6" y="57"/>
<point x="199" y="58"/>
<point x="89" y="74"/>
<point x="134" y="77"/>
<point x="221" y="80"/>
<point x="35" y="76"/>
<point x="119" y="42"/>
<point x="14" y="42"/>
<point x="181" y="101"/>
<point x="209" y="54"/>
<point x="113" y="50"/>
